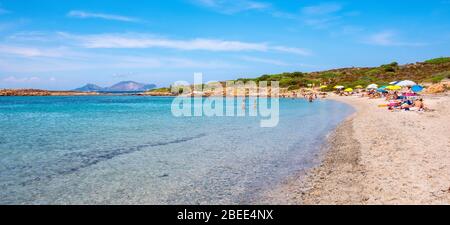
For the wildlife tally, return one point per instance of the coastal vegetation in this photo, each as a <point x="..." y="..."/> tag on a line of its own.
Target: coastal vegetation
<point x="161" y="90"/>
<point x="430" y="71"/>
<point x="438" y="60"/>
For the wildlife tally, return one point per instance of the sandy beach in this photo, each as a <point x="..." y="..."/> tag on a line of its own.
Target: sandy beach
<point x="379" y="157"/>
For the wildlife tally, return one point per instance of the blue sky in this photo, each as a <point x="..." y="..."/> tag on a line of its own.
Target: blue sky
<point x="55" y="44"/>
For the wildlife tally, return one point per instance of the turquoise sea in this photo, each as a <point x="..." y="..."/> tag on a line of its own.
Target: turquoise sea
<point x="131" y="150"/>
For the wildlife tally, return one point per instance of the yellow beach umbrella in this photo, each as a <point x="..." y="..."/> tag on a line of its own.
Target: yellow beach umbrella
<point x="349" y="90"/>
<point x="394" y="88"/>
<point x="359" y="87"/>
<point x="323" y="86"/>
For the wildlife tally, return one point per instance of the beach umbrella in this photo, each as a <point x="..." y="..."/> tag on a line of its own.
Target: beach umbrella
<point x="381" y="90"/>
<point x="323" y="86"/>
<point x="394" y="83"/>
<point x="383" y="87"/>
<point x="394" y="88"/>
<point x="417" y="88"/>
<point x="349" y="90"/>
<point x="372" y="86"/>
<point x="406" y="83"/>
<point x="359" y="87"/>
<point x="339" y="87"/>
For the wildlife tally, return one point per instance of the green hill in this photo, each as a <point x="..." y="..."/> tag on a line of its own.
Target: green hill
<point x="430" y="71"/>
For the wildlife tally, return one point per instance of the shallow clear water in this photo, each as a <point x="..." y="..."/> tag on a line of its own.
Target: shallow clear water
<point x="131" y="150"/>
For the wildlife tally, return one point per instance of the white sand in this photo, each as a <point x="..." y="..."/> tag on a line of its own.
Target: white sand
<point x="380" y="157"/>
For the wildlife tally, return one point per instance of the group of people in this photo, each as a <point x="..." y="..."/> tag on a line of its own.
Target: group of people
<point x="405" y="100"/>
<point x="310" y="97"/>
<point x="372" y="94"/>
<point x="407" y="104"/>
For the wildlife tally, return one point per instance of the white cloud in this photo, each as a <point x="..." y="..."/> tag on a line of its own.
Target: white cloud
<point x="86" y="15"/>
<point x="26" y="58"/>
<point x="31" y="79"/>
<point x="264" y="60"/>
<point x="117" y="41"/>
<point x="146" y="41"/>
<point x="30" y="51"/>
<point x="298" y="51"/>
<point x="324" y="15"/>
<point x="13" y="79"/>
<point x="13" y="24"/>
<point x="322" y="9"/>
<point x="94" y="61"/>
<point x="37" y="52"/>
<point x="236" y="6"/>
<point x="347" y="30"/>
<point x="320" y="23"/>
<point x="382" y="38"/>
<point x="389" y="38"/>
<point x="232" y="6"/>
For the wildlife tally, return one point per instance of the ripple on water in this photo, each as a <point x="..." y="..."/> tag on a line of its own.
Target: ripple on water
<point x="130" y="150"/>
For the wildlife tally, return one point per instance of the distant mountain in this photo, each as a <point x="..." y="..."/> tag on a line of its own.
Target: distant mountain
<point x="124" y="86"/>
<point x="89" y="88"/>
<point x="130" y="86"/>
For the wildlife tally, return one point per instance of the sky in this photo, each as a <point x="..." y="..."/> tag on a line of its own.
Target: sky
<point x="60" y="45"/>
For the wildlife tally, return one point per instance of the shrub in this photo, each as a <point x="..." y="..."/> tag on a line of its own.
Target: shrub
<point x="369" y="79"/>
<point x="286" y="82"/>
<point x="439" y="77"/>
<point x="163" y="90"/>
<point x="329" y="75"/>
<point x="293" y="88"/>
<point x="392" y="67"/>
<point x="293" y="75"/>
<point x="373" y="72"/>
<point x="244" y="80"/>
<point x="438" y="60"/>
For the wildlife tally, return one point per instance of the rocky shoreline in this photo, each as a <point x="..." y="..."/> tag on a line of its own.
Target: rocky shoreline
<point x="37" y="92"/>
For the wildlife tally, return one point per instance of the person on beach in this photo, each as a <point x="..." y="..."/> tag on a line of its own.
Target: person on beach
<point x="418" y="105"/>
<point x="406" y="105"/>
<point x="394" y="104"/>
<point x="395" y="96"/>
<point x="311" y="98"/>
<point x="409" y="91"/>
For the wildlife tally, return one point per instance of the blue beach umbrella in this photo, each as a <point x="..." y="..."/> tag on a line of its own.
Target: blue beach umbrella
<point x="417" y="88"/>
<point x="381" y="90"/>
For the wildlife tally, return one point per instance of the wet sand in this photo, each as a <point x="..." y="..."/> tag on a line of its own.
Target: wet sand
<point x="379" y="157"/>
